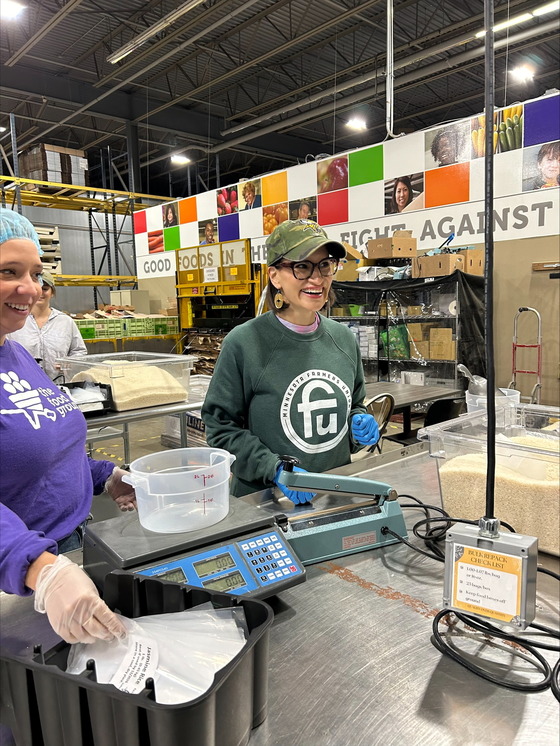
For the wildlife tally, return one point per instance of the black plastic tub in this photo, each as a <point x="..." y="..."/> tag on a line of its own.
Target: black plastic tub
<point x="45" y="706"/>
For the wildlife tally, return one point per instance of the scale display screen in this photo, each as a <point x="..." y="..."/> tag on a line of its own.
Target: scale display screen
<point x="175" y="575"/>
<point x="212" y="565"/>
<point x="226" y="582"/>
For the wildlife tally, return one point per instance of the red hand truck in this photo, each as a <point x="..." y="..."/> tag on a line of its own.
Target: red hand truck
<point x="536" y="392"/>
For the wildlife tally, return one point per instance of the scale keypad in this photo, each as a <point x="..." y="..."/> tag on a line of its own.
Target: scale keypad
<point x="270" y="558"/>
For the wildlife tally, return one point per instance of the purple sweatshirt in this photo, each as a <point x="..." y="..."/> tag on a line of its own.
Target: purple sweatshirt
<point x="46" y="478"/>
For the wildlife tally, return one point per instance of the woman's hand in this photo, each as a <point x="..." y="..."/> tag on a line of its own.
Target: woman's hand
<point x="72" y="604"/>
<point x="121" y="492"/>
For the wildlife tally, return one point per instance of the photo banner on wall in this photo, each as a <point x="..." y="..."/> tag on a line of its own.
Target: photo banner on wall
<point x="519" y="216"/>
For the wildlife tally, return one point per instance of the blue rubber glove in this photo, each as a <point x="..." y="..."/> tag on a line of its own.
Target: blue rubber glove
<point x="295" y="496"/>
<point x="364" y="429"/>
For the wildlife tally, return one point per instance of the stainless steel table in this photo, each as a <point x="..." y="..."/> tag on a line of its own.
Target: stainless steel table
<point x="351" y="663"/>
<point x="103" y="426"/>
<point x="407" y="394"/>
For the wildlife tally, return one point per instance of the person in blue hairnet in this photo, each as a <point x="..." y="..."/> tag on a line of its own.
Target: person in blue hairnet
<point x="290" y="382"/>
<point x="47" y="481"/>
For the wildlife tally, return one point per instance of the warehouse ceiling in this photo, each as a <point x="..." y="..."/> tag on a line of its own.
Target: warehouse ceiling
<point x="247" y="87"/>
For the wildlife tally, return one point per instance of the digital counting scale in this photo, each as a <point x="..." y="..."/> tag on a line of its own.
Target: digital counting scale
<point x="262" y="545"/>
<point x="244" y="554"/>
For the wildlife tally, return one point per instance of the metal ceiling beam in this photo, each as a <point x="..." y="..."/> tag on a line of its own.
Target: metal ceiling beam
<point x="271" y="53"/>
<point x="36" y="38"/>
<point x="114" y="89"/>
<point x="448" y="64"/>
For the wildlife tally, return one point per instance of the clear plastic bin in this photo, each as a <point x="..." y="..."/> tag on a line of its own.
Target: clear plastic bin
<point x="527" y="468"/>
<point x="137" y="379"/>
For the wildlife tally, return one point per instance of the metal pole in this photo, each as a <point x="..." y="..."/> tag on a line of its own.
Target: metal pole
<point x="489" y="251"/>
<point x="13" y="138"/>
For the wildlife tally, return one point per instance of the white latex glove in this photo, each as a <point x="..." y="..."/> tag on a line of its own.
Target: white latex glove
<point x="71" y="601"/>
<point x="121" y="492"/>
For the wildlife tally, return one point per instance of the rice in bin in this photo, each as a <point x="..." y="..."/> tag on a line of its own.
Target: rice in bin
<point x="531" y="506"/>
<point x="139" y="386"/>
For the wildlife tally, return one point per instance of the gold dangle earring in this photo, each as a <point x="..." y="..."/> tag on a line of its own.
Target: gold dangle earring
<point x="278" y="300"/>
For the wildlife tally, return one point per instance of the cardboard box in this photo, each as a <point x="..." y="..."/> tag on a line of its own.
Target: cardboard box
<point x="347" y="271"/>
<point x="351" y="252"/>
<point x="416" y="332"/>
<point x="441" y="350"/>
<point x="442" y="346"/>
<point x="474" y="261"/>
<point x="400" y="244"/>
<point x="437" y="265"/>
<point x="420" y="350"/>
<point x="137" y="299"/>
<point x="414" y="310"/>
<point x="441" y="334"/>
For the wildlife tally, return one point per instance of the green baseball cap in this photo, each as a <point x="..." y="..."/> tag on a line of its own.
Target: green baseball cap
<point x="297" y="239"/>
<point x="48" y="279"/>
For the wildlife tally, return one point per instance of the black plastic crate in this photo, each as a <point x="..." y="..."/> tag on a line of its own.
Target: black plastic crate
<point x="106" y="390"/>
<point x="45" y="706"/>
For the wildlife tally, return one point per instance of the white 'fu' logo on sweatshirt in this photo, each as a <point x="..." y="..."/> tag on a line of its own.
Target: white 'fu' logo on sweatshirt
<point x="314" y="411"/>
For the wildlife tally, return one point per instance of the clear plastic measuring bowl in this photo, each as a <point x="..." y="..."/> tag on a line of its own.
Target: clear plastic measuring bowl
<point x="183" y="489"/>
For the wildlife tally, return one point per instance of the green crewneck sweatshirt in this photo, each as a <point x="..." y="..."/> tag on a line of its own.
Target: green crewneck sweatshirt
<point x="275" y="392"/>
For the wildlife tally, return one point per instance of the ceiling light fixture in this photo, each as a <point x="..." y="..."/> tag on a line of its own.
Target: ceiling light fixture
<point x="356" y="124"/>
<point x="548" y="8"/>
<point x="3" y="129"/>
<point x="152" y="30"/>
<point x="180" y="160"/>
<point x="10" y="9"/>
<point x="540" y="11"/>
<point x="522" y="74"/>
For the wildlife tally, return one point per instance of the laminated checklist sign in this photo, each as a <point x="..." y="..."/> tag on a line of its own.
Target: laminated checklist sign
<point x="487" y="582"/>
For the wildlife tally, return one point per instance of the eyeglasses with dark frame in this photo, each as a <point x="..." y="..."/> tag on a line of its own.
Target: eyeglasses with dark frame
<point x="304" y="269"/>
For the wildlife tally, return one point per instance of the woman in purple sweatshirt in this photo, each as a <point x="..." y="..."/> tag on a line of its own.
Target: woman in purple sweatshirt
<point x="46" y="479"/>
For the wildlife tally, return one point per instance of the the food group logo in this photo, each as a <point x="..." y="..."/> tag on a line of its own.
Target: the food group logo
<point x="314" y="411"/>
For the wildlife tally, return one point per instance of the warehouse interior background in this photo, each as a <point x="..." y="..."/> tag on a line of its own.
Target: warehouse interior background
<point x="245" y="88"/>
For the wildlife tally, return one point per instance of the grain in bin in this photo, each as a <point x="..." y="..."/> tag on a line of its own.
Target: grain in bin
<point x="137" y="379"/>
<point x="527" y="469"/>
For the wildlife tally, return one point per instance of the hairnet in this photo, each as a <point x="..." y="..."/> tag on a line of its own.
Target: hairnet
<point x="14" y="225"/>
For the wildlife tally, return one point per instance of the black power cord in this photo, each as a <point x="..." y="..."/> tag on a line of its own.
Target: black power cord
<point x="432" y="535"/>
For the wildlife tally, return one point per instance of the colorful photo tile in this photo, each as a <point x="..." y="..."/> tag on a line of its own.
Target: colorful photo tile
<point x="273" y="215"/>
<point x="478" y="135"/>
<point x="155" y="241"/>
<point x="447" y="145"/>
<point x="541" y="121"/>
<point x="447" y="186"/>
<point x="332" y="208"/>
<point x="139" y="221"/>
<point x="304" y="209"/>
<point x="404" y="194"/>
<point x="541" y="166"/>
<point x="187" y="210"/>
<point x="172" y="238"/>
<point x="226" y="200"/>
<point x="275" y="188"/>
<point x="510" y="129"/>
<point x="207" y="232"/>
<point x="365" y="166"/>
<point x="332" y="174"/>
<point x="228" y="227"/>
<point x="170" y="214"/>
<point x="250" y="197"/>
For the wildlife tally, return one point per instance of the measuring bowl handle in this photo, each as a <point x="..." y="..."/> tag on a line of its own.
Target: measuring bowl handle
<point x="134" y="481"/>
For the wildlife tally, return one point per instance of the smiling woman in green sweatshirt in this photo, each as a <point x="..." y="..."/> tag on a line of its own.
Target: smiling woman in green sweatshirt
<point x="290" y="381"/>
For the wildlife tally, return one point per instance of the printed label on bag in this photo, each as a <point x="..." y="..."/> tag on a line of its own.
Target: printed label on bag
<point x="139" y="663"/>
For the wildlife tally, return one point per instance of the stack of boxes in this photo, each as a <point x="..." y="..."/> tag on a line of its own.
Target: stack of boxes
<point x="127" y="327"/>
<point x="52" y="163"/>
<point x="367" y="341"/>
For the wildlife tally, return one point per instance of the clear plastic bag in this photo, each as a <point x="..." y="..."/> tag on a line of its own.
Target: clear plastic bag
<point x="181" y="652"/>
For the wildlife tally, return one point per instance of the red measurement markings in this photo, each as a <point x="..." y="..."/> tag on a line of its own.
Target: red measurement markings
<point x="204" y="477"/>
